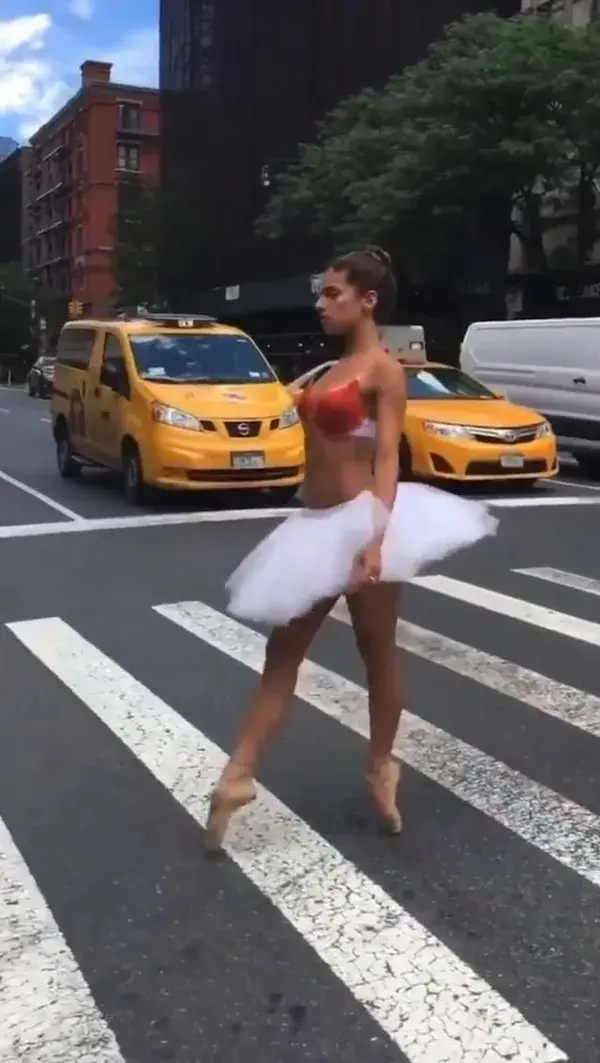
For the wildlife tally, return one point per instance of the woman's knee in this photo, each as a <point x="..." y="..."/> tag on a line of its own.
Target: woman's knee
<point x="375" y="647"/>
<point x="287" y="646"/>
<point x="374" y="624"/>
<point x="283" y="652"/>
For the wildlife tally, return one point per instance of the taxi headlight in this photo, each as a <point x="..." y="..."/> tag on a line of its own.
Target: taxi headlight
<point x="447" y="431"/>
<point x="289" y="417"/>
<point x="543" y="430"/>
<point x="175" y="418"/>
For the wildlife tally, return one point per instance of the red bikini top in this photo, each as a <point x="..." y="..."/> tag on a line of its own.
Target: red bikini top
<point x="336" y="411"/>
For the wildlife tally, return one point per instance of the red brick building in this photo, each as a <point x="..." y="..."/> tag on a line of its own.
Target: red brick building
<point x="83" y="164"/>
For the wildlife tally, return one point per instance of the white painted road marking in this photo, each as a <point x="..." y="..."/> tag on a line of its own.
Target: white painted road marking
<point x="151" y="520"/>
<point x="571" y="580"/>
<point x="515" y="608"/>
<point x="428" y="1002"/>
<point x="558" y="827"/>
<point x="78" y="523"/>
<point x="577" y="484"/>
<point x="565" y="703"/>
<point x="48" y="1014"/>
<point x="50" y="502"/>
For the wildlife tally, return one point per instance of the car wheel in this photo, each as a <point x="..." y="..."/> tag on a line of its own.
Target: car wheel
<point x="135" y="490"/>
<point x="405" y="460"/>
<point x="68" y="467"/>
<point x="589" y="464"/>
<point x="285" y="495"/>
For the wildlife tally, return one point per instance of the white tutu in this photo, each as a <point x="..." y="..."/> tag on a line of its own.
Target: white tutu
<point x="309" y="557"/>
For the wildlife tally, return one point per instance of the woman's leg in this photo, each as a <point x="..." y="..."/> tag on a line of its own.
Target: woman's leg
<point x="286" y="649"/>
<point x="374" y="613"/>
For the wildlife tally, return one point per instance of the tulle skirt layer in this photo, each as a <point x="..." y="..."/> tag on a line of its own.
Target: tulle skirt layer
<point x="309" y="557"/>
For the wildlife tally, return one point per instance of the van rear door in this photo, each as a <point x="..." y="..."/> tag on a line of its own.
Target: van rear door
<point x="73" y="359"/>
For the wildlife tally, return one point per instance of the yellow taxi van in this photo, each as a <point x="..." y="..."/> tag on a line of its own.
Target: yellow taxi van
<point x="174" y="402"/>
<point x="456" y="429"/>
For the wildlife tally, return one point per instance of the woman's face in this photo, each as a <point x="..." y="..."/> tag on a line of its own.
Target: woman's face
<point x="340" y="305"/>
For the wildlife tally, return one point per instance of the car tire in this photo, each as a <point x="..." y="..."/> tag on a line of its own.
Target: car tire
<point x="135" y="489"/>
<point x="405" y="469"/>
<point x="589" y="464"/>
<point x="68" y="466"/>
<point x="284" y="496"/>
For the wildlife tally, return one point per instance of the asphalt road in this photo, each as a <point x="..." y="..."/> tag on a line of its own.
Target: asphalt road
<point x="474" y="938"/>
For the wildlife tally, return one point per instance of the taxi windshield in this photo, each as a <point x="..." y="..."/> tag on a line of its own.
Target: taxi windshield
<point x="199" y="359"/>
<point x="443" y="382"/>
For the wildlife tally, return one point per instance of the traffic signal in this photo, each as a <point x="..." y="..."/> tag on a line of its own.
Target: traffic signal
<point x="75" y="308"/>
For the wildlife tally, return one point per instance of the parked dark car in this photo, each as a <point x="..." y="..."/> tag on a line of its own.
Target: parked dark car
<point x="40" y="378"/>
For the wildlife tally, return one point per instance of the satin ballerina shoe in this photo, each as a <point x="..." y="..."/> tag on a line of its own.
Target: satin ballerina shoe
<point x="230" y="795"/>
<point x="383" y="779"/>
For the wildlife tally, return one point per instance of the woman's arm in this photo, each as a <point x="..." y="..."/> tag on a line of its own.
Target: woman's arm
<point x="390" y="396"/>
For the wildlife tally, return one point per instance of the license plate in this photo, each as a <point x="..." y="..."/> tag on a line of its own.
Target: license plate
<point x="252" y="460"/>
<point x="512" y="461"/>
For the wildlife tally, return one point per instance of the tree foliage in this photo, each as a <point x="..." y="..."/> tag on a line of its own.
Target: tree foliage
<point x="149" y="224"/>
<point x="136" y="247"/>
<point x="501" y="119"/>
<point x="16" y="292"/>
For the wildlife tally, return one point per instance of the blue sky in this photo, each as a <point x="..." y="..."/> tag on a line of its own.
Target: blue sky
<point x="42" y="45"/>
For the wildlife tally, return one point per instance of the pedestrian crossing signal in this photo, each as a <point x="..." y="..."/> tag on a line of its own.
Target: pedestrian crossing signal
<point x="75" y="308"/>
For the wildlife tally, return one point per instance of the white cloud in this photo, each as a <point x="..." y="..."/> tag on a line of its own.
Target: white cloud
<point x="29" y="31"/>
<point x="83" y="9"/>
<point x="34" y="83"/>
<point x="29" y="86"/>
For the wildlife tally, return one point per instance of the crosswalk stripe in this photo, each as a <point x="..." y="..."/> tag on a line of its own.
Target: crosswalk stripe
<point x="48" y="1012"/>
<point x="564" y="702"/>
<point x="428" y="1002"/>
<point x="515" y="608"/>
<point x="557" y="826"/>
<point x="571" y="580"/>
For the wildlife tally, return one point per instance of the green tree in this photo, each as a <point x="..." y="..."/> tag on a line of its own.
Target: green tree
<point x="16" y="293"/>
<point x="499" y="119"/>
<point x="136" y="249"/>
<point x="148" y="225"/>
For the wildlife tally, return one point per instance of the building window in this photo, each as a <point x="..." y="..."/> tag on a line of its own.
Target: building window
<point x="129" y="117"/>
<point x="128" y="157"/>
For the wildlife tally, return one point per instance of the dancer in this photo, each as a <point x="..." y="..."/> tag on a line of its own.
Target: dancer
<point x="360" y="534"/>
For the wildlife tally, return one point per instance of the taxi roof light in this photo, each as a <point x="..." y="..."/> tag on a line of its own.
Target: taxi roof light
<point x="182" y="320"/>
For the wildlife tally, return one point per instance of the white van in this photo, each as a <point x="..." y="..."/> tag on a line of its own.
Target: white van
<point x="552" y="366"/>
<point x="405" y="341"/>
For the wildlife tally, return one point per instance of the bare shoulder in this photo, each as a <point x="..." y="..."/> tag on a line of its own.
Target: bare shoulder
<point x="388" y="374"/>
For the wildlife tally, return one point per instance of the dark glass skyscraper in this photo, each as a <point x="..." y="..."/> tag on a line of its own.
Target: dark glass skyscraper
<point x="244" y="82"/>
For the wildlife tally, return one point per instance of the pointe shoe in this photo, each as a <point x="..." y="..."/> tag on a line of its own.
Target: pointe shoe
<point x="383" y="780"/>
<point x="228" y="797"/>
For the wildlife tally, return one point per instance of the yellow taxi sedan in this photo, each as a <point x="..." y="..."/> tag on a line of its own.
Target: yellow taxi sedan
<point x="456" y="429"/>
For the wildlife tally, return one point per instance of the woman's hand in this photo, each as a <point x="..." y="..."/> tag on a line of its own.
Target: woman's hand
<point x="367" y="567"/>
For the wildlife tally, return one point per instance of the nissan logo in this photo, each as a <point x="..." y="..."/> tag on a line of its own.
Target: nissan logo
<point x="244" y="429"/>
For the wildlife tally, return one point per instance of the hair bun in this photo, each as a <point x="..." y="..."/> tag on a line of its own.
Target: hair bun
<point x="378" y="254"/>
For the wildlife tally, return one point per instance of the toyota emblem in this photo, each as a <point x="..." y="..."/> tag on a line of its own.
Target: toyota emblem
<point x="243" y="428"/>
<point x="510" y="437"/>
